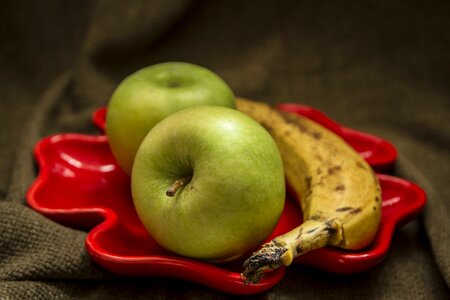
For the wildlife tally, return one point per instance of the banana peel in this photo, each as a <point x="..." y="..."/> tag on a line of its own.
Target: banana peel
<point x="340" y="194"/>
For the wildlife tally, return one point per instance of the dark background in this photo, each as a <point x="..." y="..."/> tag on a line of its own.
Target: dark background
<point x="381" y="67"/>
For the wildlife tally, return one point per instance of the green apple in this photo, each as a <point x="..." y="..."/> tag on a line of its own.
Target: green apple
<point x="208" y="183"/>
<point x="151" y="94"/>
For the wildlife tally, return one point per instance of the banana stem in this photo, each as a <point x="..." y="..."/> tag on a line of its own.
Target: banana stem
<point x="283" y="249"/>
<point x="171" y="191"/>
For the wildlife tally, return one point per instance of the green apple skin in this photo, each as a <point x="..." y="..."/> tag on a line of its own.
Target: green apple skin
<point x="149" y="95"/>
<point x="237" y="192"/>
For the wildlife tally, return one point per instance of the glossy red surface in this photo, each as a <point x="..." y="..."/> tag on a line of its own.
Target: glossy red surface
<point x="81" y="186"/>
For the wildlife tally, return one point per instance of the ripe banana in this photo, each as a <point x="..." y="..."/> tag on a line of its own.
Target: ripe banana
<point x="340" y="194"/>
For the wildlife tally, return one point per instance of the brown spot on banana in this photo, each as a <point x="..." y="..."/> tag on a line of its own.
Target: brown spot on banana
<point x="300" y="123"/>
<point x="312" y="230"/>
<point x="289" y="118"/>
<point x="343" y="209"/>
<point x="334" y="169"/>
<point x="316" y="135"/>
<point x="356" y="211"/>
<point x="308" y="182"/>
<point x="340" y="188"/>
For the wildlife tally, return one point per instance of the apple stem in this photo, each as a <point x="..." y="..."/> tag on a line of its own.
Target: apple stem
<point x="177" y="185"/>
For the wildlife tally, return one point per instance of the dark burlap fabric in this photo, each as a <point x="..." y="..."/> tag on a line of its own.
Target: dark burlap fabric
<point x="378" y="66"/>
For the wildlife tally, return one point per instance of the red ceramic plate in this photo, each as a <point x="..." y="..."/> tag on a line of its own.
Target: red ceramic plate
<point x="81" y="186"/>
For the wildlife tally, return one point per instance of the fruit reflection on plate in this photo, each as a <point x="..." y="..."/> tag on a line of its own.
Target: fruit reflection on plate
<point x="80" y="185"/>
